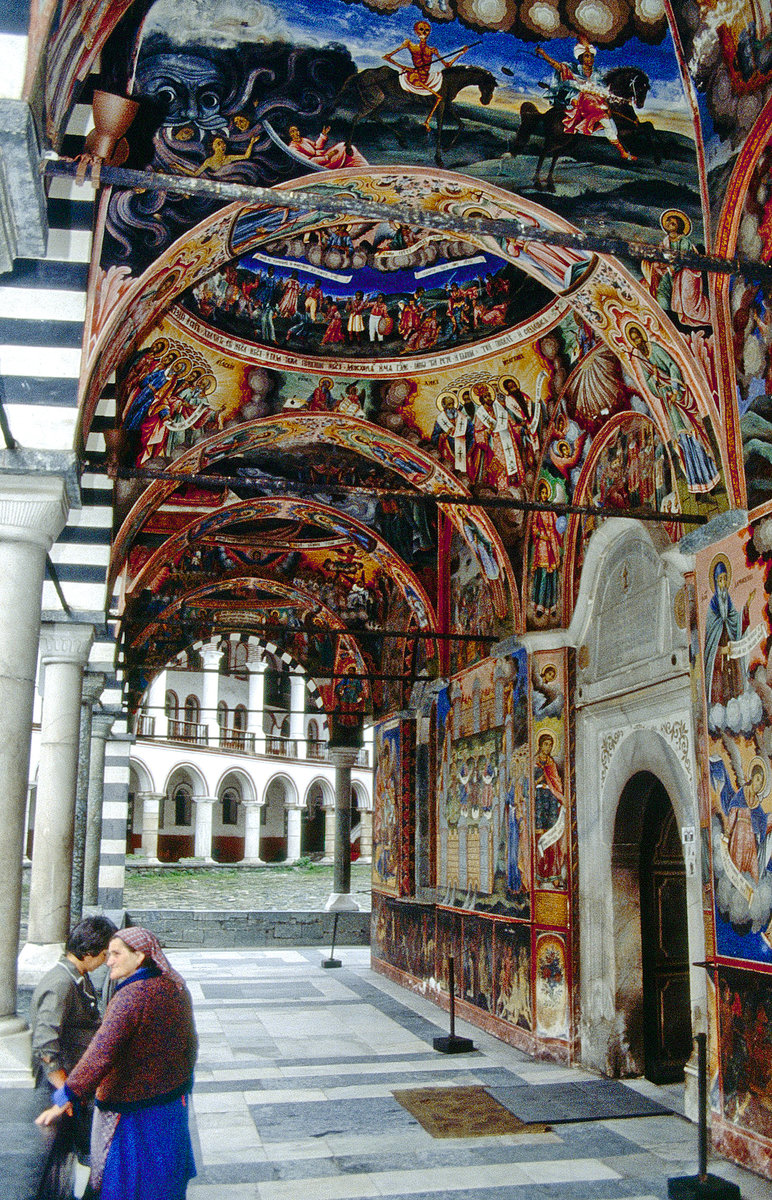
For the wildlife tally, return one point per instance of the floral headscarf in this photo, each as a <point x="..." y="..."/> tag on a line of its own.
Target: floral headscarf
<point x="143" y="940"/>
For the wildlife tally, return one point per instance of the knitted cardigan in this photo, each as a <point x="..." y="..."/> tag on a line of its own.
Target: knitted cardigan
<point x="145" y="1049"/>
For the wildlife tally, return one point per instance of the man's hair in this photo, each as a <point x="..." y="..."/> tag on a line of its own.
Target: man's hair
<point x="91" y="936"/>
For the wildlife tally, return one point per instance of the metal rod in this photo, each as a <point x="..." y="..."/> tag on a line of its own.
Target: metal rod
<point x="702" y="1101"/>
<point x="345" y="205"/>
<point x="401" y="634"/>
<point x="217" y="482"/>
<point x="452" y="986"/>
<point x="52" y="575"/>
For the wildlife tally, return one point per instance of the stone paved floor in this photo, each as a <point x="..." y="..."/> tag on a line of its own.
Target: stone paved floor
<point x="294" y="1098"/>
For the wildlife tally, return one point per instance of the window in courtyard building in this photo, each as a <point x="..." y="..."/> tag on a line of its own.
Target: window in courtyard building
<point x="192" y="710"/>
<point x="222" y="714"/>
<point x="172" y="706"/>
<point x="183" y="804"/>
<point x="230" y="806"/>
<point x="240" y="717"/>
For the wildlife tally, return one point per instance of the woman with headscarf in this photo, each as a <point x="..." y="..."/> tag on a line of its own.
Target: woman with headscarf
<point x="140" y="1064"/>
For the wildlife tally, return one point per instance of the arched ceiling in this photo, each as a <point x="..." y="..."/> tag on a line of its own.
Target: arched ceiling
<point x="355" y="422"/>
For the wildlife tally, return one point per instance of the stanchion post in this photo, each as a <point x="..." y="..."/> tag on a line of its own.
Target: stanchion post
<point x="332" y="961"/>
<point x="453" y="1044"/>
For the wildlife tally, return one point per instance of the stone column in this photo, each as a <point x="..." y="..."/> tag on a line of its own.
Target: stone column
<point x="151" y="807"/>
<point x="203" y="844"/>
<point x="298" y="712"/>
<point x="210" y="694"/>
<point x="294" y="826"/>
<point x="329" y="833"/>
<point x="64" y="652"/>
<point x="33" y="510"/>
<point x="156" y="706"/>
<point x="101" y="726"/>
<point x="252" y="822"/>
<point x="366" y="835"/>
<point x="256" y="666"/>
<point x="93" y="686"/>
<point x="343" y="758"/>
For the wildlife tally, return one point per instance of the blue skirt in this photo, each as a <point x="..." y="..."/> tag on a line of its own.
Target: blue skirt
<point x="150" y="1155"/>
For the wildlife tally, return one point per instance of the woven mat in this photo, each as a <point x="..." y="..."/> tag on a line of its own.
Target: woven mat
<point x="458" y="1112"/>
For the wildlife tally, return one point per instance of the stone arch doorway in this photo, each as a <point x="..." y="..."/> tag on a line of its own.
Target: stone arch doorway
<point x="651" y="942"/>
<point x="312" y="828"/>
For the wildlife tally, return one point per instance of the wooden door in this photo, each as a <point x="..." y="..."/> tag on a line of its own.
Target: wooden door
<point x="667" y="1032"/>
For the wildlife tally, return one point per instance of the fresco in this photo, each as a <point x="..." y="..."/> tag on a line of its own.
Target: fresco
<point x="476" y="984"/>
<point x="734" y="636"/>
<point x="552" y="808"/>
<point x="482" y="790"/>
<point x="577" y="119"/>
<point x="513" y="975"/>
<point x="551" y="986"/>
<point x="751" y="305"/>
<point x="391" y="856"/>
<point x="744" y="1012"/>
<point x="367" y="291"/>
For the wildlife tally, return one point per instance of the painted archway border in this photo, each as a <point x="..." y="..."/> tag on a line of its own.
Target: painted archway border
<point x="370" y="441"/>
<point x="606" y="295"/>
<point x="726" y="243"/>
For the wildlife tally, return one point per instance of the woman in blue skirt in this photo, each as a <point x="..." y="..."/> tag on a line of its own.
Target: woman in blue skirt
<point x="140" y="1064"/>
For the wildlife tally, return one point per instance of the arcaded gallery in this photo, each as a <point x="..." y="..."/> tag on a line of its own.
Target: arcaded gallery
<point x="424" y="350"/>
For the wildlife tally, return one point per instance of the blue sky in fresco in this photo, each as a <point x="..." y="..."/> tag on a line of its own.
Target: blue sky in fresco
<point x="352" y="25"/>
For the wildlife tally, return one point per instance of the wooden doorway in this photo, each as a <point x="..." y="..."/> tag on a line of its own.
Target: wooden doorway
<point x="667" y="1031"/>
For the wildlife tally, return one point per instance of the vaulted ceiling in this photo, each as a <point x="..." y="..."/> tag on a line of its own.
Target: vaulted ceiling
<point x="344" y="425"/>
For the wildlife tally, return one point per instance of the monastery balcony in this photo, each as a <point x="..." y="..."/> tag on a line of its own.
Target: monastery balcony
<point x="241" y="741"/>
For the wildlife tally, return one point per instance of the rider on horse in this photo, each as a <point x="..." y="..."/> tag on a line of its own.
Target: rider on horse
<point x="425" y="76"/>
<point x="584" y="95"/>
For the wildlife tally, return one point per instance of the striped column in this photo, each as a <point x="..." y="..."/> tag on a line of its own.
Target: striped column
<point x="115" y="812"/>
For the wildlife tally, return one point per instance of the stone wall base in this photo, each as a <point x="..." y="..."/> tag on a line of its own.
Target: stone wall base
<point x="223" y="929"/>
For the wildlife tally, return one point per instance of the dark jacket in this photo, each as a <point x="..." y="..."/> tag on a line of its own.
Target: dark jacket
<point x="146" y="1048"/>
<point x="64" y="1016"/>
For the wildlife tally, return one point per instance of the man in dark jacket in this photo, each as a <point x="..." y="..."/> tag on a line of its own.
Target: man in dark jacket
<point x="64" y="1012"/>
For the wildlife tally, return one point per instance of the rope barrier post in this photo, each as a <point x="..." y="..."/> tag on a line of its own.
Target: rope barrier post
<point x="453" y="1044"/>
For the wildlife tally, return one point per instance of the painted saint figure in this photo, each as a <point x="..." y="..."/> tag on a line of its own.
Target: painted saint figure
<point x="546" y="554"/>
<point x="678" y="289"/>
<point x="549" y="811"/>
<point x="665" y="382"/>
<point x="726" y="674"/>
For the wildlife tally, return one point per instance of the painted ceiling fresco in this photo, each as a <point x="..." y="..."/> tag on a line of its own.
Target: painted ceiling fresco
<point x="308" y="403"/>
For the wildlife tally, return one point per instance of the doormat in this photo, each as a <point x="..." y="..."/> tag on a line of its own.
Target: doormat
<point x="589" y="1100"/>
<point x="458" y="1112"/>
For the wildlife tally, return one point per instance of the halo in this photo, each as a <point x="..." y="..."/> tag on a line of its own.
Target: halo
<point x="180" y="366"/>
<point x="635" y="325"/>
<point x="444" y="396"/>
<point x="210" y="384"/>
<point x="488" y="388"/>
<point x="676" y="212"/>
<point x="757" y="760"/>
<point x="543" y="480"/>
<point x="720" y="558"/>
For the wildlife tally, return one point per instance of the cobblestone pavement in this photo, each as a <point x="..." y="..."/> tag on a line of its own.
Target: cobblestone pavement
<point x="260" y="889"/>
<point x="263" y="889"/>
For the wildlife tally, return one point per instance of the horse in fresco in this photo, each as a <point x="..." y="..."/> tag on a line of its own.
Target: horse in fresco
<point x="628" y="87"/>
<point x="376" y="88"/>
